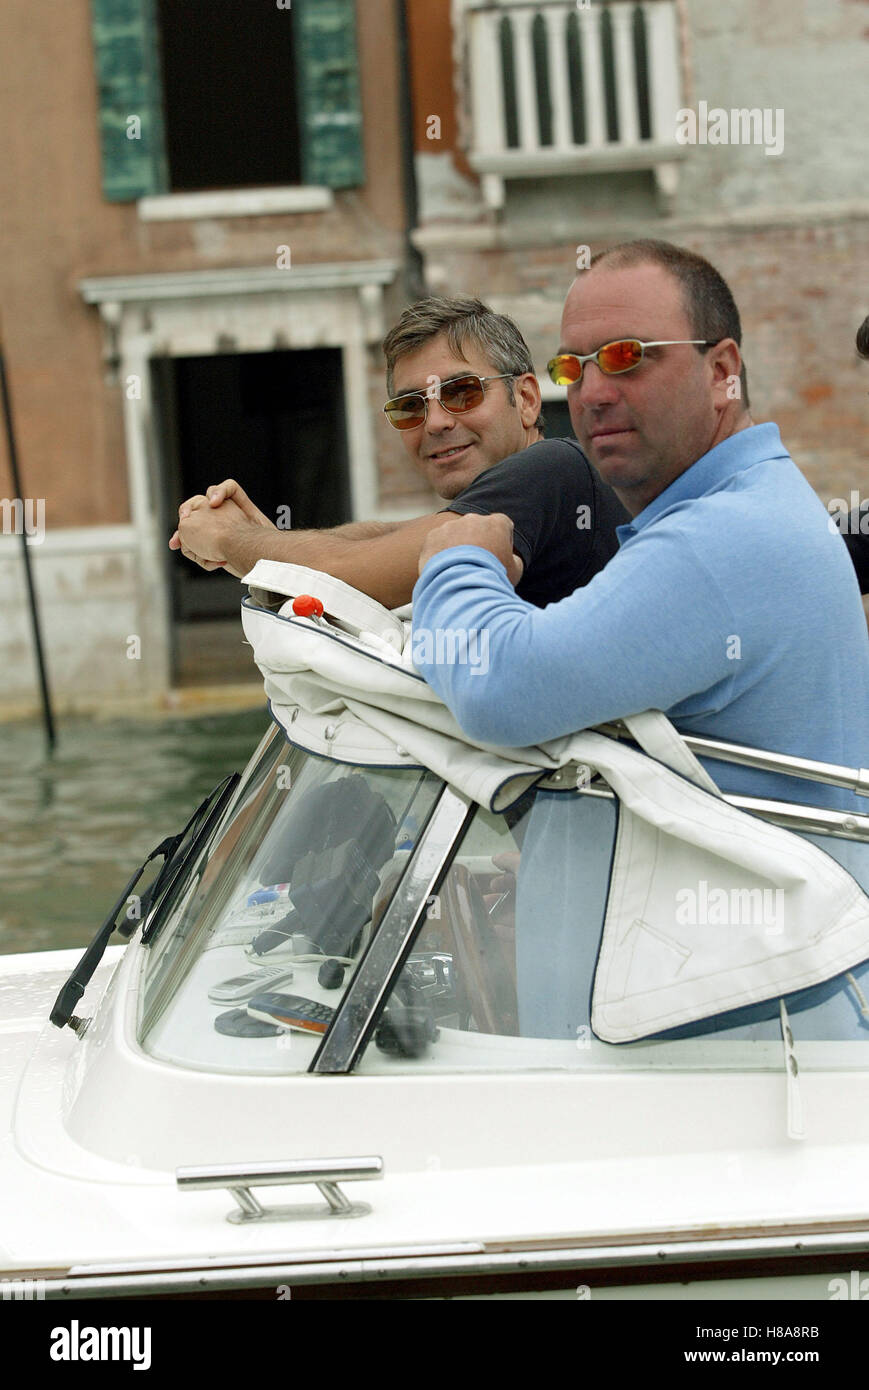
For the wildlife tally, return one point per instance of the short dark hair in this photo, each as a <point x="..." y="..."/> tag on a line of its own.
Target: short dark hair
<point x="863" y="338"/>
<point x="707" y="297"/>
<point x="462" y="319"/>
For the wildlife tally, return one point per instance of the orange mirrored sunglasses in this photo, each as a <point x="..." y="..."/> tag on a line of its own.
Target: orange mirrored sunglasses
<point x="463" y="393"/>
<point x="612" y="358"/>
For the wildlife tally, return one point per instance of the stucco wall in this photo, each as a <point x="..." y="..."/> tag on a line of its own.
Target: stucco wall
<point x="56" y="229"/>
<point x="95" y="584"/>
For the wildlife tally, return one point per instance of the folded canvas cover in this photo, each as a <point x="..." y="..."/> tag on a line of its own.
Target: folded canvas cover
<point x="344" y="687"/>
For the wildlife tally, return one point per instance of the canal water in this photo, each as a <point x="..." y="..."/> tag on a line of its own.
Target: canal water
<point x="75" y="826"/>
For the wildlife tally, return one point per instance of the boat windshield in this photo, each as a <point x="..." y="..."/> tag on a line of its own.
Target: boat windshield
<point x="440" y="936"/>
<point x="501" y="971"/>
<point x="278" y="911"/>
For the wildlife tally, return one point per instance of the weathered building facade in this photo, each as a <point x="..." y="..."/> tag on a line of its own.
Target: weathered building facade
<point x="203" y="239"/>
<point x="560" y="131"/>
<point x="208" y="222"/>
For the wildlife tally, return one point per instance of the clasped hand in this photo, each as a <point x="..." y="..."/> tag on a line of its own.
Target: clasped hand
<point x="207" y="525"/>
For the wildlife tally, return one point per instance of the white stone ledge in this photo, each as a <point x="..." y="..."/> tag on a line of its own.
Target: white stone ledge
<point x="238" y="202"/>
<point x="490" y="236"/>
<point x="550" y="161"/>
<point x="74" y="540"/>
<point x="203" y="284"/>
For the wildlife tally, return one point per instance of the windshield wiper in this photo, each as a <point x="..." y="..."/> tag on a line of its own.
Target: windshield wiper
<point x="211" y="811"/>
<point x="72" y="991"/>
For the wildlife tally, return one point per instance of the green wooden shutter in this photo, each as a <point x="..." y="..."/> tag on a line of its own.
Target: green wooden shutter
<point x="128" y="82"/>
<point x="330" y="114"/>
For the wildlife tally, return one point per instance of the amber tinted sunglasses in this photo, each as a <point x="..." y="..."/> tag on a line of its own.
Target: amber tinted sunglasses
<point x="463" y="393"/>
<point x="612" y="358"/>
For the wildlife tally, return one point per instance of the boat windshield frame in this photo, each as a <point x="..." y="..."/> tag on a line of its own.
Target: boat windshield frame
<point x="358" y="1012"/>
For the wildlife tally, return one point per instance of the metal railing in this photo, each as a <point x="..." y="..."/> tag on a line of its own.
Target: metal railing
<point x="852" y="779"/>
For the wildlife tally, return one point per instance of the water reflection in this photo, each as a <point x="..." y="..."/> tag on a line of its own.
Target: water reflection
<point x="75" y="826"/>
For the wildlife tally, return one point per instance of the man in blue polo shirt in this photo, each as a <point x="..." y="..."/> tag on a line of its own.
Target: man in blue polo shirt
<point x="730" y="604"/>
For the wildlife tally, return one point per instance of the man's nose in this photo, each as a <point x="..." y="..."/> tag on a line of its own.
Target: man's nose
<point x="437" y="419"/>
<point x="595" y="387"/>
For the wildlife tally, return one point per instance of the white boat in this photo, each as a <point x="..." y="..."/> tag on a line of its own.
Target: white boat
<point x="414" y="1068"/>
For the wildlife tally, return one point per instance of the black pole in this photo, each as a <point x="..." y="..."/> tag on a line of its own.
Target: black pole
<point x="414" y="275"/>
<point x="28" y="573"/>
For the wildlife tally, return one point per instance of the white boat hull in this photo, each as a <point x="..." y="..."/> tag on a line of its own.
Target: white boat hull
<point x="687" y="1188"/>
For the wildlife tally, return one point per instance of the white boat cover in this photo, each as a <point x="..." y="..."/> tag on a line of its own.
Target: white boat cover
<point x="344" y="687"/>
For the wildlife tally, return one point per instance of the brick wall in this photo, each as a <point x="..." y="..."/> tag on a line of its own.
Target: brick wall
<point x="802" y="290"/>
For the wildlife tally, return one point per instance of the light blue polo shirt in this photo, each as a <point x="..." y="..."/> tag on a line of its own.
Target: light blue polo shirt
<point x="731" y="604"/>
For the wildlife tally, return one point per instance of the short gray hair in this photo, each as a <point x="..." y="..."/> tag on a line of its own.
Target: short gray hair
<point x="461" y="319"/>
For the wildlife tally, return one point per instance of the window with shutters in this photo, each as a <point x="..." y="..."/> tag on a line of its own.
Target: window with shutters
<point x="211" y="94"/>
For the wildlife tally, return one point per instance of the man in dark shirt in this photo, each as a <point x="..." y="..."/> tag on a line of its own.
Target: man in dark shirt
<point x="856" y="533"/>
<point x="856" y="539"/>
<point x="564" y="516"/>
<point x="466" y="403"/>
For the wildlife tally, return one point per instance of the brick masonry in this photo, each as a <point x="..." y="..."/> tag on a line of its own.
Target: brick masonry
<point x="802" y="292"/>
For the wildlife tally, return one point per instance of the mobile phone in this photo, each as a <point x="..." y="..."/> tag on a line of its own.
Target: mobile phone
<point x="291" y="1011"/>
<point x="254" y="982"/>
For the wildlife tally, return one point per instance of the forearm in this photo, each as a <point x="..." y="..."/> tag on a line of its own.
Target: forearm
<point x="534" y="674"/>
<point x="359" y="530"/>
<point x="382" y="565"/>
<point x="463" y="596"/>
<point x="314" y="547"/>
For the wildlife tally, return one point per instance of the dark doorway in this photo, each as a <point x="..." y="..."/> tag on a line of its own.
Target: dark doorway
<point x="229" y="93"/>
<point x="275" y="422"/>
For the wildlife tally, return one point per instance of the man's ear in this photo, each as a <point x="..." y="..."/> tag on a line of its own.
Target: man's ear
<point x="529" y="402"/>
<point x="725" y="360"/>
